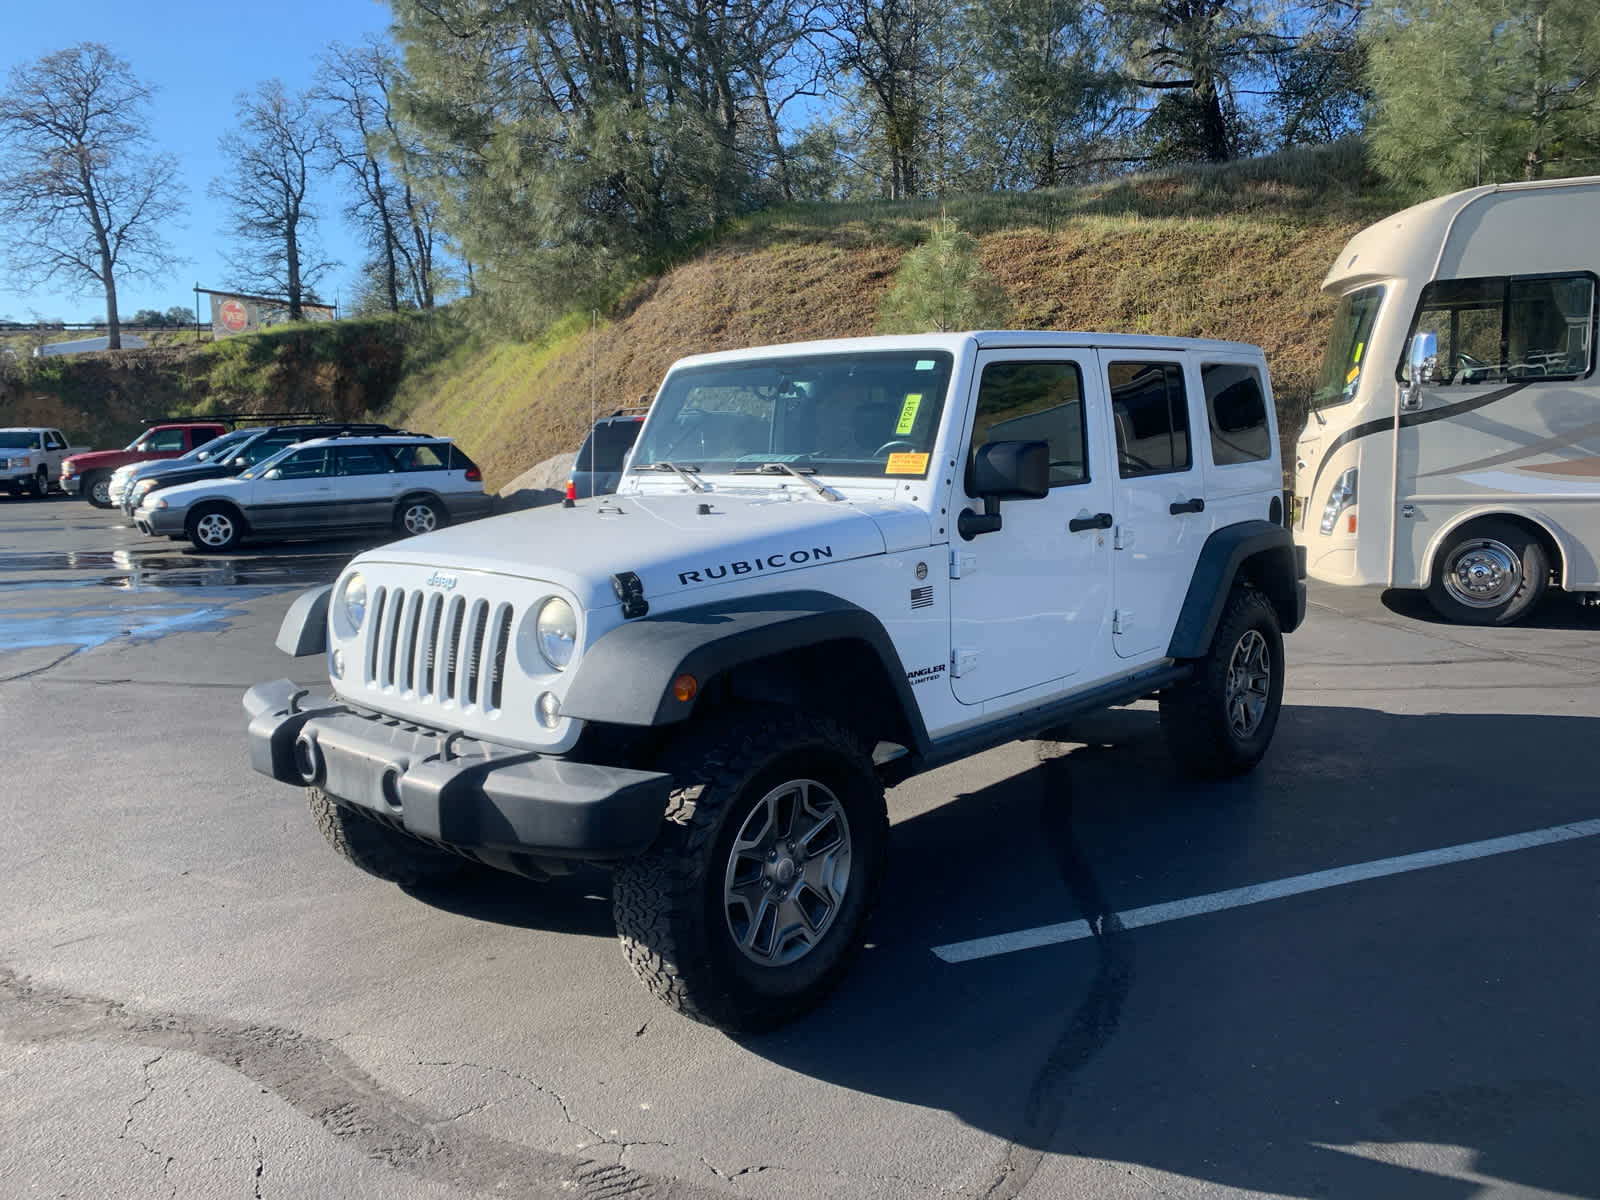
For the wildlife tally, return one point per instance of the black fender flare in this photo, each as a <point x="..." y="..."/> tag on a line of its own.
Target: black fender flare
<point x="626" y="676"/>
<point x="1263" y="553"/>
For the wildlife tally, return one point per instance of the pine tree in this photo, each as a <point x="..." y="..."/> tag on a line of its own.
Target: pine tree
<point x="1478" y="91"/>
<point x="941" y="286"/>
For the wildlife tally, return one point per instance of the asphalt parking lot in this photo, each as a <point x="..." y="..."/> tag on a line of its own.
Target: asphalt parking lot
<point x="1369" y="969"/>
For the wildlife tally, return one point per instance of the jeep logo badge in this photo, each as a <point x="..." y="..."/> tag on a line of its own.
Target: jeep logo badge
<point x="440" y="580"/>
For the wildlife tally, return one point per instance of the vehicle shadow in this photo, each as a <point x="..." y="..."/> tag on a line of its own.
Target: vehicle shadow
<point x="1278" y="1049"/>
<point x="579" y="903"/>
<point x="1557" y="610"/>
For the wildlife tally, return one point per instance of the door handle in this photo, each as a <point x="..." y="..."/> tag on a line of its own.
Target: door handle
<point x="1187" y="506"/>
<point x="1098" y="521"/>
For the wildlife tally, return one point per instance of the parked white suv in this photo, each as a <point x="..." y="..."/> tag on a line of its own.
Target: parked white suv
<point x="830" y="566"/>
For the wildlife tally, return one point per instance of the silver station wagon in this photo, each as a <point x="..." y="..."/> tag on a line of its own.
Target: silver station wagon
<point x="409" y="484"/>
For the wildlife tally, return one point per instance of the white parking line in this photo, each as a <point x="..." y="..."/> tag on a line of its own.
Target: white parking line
<point x="1176" y="910"/>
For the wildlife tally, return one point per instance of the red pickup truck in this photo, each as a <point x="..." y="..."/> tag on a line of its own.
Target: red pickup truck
<point x="90" y="474"/>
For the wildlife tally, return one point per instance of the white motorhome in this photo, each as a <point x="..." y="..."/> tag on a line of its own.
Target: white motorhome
<point x="1454" y="438"/>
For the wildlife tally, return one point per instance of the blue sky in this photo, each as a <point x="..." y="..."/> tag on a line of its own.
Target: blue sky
<point x="199" y="56"/>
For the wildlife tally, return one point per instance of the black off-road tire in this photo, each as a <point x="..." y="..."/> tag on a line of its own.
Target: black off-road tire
<point x="379" y="850"/>
<point x="671" y="903"/>
<point x="1512" y="572"/>
<point x="1219" y="722"/>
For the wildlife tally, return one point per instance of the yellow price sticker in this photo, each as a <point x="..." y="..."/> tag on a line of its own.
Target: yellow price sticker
<point x="905" y="462"/>
<point x="908" y="414"/>
<point x="1355" y="373"/>
<point x="1360" y="346"/>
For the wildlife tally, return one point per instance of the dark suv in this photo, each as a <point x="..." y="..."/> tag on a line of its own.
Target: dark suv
<point x="598" y="468"/>
<point x="261" y="444"/>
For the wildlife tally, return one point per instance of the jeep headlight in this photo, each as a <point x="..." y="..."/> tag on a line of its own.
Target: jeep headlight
<point x="556" y="632"/>
<point x="1340" y="498"/>
<point x="353" y="595"/>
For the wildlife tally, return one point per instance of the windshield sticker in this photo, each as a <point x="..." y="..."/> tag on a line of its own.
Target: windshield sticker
<point x="1360" y="346"/>
<point x="1355" y="374"/>
<point x="908" y="414"/>
<point x="743" y="566"/>
<point x="906" y="462"/>
<point x="925" y="364"/>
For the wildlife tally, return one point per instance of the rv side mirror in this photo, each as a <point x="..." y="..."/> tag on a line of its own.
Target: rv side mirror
<point x="1421" y="361"/>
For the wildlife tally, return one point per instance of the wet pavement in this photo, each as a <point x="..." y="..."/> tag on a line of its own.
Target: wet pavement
<point x="73" y="576"/>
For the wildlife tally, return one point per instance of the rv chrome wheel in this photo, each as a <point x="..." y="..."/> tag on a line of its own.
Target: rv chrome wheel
<point x="1249" y="684"/>
<point x="787" y="873"/>
<point x="1482" y="573"/>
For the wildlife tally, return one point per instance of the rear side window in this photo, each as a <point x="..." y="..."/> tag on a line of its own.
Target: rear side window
<point x="365" y="460"/>
<point x="430" y="456"/>
<point x="1036" y="402"/>
<point x="1236" y="405"/>
<point x="1151" y="409"/>
<point x="1507" y="327"/>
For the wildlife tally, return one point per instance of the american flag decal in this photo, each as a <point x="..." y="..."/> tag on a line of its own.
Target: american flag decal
<point x="922" y="597"/>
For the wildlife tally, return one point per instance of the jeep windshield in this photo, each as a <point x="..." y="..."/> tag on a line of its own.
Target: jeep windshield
<point x="866" y="414"/>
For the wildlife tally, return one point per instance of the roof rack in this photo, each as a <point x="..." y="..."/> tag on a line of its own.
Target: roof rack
<point x="268" y="418"/>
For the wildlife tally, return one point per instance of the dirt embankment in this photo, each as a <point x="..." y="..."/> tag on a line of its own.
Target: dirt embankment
<point x="513" y="406"/>
<point x="1222" y="279"/>
<point x="104" y="398"/>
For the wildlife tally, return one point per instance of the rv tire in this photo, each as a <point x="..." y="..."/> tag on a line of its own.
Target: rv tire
<point x="1491" y="572"/>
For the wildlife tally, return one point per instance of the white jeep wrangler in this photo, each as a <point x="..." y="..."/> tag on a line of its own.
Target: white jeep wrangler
<point x="829" y="566"/>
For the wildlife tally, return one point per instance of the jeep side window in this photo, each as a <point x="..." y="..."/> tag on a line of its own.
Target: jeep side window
<point x="1151" y="410"/>
<point x="1036" y="401"/>
<point x="1237" y="408"/>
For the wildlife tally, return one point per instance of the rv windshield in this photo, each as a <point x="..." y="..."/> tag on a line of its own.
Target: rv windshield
<point x="1347" y="345"/>
<point x="865" y="414"/>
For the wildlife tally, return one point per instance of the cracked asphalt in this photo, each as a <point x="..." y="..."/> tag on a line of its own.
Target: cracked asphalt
<point x="198" y="999"/>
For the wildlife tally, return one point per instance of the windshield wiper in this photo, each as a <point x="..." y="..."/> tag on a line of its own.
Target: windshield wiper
<point x="803" y="474"/>
<point x="683" y="472"/>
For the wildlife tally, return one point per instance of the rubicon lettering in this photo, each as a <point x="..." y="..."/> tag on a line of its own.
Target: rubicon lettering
<point x="750" y="566"/>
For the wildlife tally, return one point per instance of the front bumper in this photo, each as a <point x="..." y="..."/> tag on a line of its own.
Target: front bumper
<point x="471" y="795"/>
<point x="70" y="484"/>
<point x="159" y="522"/>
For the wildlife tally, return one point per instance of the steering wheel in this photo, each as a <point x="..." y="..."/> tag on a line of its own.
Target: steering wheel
<point x="1472" y="370"/>
<point x="888" y="447"/>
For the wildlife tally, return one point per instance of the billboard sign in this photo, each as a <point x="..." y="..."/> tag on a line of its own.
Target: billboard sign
<point x="233" y="313"/>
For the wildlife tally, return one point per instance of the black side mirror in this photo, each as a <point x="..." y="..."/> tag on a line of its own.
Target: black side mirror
<point x="1004" y="471"/>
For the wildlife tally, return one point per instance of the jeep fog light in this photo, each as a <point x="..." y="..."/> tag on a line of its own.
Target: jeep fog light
<point x="548" y="707"/>
<point x="557" y="630"/>
<point x="336" y="664"/>
<point x="1340" y="498"/>
<point x="354" y="598"/>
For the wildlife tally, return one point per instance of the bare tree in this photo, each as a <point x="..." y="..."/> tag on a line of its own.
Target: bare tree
<point x="83" y="201"/>
<point x="272" y="151"/>
<point x="366" y="139"/>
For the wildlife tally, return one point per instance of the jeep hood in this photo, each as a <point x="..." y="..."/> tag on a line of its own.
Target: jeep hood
<point x="665" y="540"/>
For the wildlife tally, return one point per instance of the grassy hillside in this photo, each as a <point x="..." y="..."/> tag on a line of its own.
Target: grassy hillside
<point x="1232" y="252"/>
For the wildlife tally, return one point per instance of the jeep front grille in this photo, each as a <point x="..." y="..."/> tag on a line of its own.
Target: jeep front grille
<point x="429" y="645"/>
